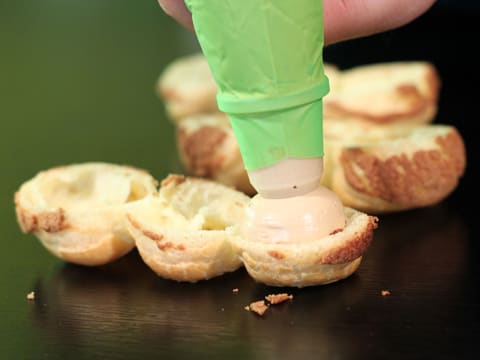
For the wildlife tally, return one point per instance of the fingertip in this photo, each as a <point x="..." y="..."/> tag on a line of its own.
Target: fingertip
<point x="178" y="11"/>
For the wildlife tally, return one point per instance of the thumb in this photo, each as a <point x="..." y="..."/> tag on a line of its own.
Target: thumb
<point x="343" y="19"/>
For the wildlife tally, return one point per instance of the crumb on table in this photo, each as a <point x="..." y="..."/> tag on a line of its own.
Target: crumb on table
<point x="259" y="307"/>
<point x="278" y="298"/>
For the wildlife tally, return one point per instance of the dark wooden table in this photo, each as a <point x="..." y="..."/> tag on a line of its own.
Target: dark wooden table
<point x="76" y="84"/>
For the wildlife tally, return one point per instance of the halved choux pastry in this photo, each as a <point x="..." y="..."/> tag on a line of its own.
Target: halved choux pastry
<point x="402" y="91"/>
<point x="399" y="169"/>
<point x="207" y="147"/>
<point x="308" y="263"/>
<point x="185" y="233"/>
<point x="78" y="211"/>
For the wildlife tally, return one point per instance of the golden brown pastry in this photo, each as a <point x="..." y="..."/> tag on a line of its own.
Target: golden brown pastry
<point x="387" y="169"/>
<point x="78" y="211"/>
<point x="207" y="148"/>
<point x="405" y="91"/>
<point x="185" y="233"/>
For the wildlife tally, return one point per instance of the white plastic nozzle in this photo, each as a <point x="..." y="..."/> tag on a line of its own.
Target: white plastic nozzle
<point x="287" y="178"/>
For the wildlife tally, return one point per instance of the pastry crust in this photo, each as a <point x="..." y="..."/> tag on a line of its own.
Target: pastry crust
<point x="77" y="211"/>
<point x="417" y="169"/>
<point x="382" y="93"/>
<point x="185" y="233"/>
<point x="317" y="262"/>
<point x="208" y="148"/>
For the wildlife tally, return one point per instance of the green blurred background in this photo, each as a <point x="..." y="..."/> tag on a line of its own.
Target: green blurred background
<point x="77" y="83"/>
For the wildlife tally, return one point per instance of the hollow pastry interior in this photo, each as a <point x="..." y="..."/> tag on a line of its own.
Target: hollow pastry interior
<point x="77" y="211"/>
<point x="185" y="233"/>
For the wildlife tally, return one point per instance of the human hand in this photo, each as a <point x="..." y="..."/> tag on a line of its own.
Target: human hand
<point x="343" y="19"/>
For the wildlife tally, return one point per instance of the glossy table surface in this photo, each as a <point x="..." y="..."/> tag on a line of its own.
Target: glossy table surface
<point x="77" y="84"/>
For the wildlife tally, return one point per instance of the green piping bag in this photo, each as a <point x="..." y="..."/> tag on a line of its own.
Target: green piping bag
<point x="267" y="59"/>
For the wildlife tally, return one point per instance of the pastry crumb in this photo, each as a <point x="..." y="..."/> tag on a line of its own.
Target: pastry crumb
<point x="385" y="292"/>
<point x="259" y="307"/>
<point x="278" y="298"/>
<point x="31" y="295"/>
<point x="235" y="290"/>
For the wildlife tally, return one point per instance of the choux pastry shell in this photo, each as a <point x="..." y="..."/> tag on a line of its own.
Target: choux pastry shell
<point x="78" y="211"/>
<point x="185" y="233"/>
